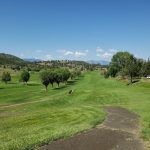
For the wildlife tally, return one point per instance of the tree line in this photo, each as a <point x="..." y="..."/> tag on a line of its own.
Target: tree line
<point x="125" y="64"/>
<point x="57" y="75"/>
<point x="47" y="77"/>
<point x="17" y="64"/>
<point x="24" y="77"/>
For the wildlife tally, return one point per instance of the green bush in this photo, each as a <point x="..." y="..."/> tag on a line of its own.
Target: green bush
<point x="6" y="77"/>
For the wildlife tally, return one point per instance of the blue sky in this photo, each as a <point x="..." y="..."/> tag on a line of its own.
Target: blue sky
<point x="74" y="29"/>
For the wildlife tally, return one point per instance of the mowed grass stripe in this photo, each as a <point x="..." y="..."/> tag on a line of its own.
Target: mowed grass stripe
<point x="42" y="122"/>
<point x="62" y="115"/>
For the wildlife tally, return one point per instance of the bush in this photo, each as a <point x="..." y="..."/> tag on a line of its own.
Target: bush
<point x="6" y="77"/>
<point x="106" y="74"/>
<point x="54" y="75"/>
<point x="25" y="76"/>
<point x="45" y="78"/>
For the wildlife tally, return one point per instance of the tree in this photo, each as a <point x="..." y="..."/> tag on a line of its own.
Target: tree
<point x="106" y="74"/>
<point x="134" y="67"/>
<point x="58" y="76"/>
<point x="65" y="75"/>
<point x="45" y="78"/>
<point x="146" y="68"/>
<point x="73" y="74"/>
<point x="140" y="67"/>
<point x="118" y="63"/>
<point x="125" y="64"/>
<point x="131" y="67"/>
<point x="78" y="73"/>
<point x="51" y="77"/>
<point x="25" y="76"/>
<point x="6" y="77"/>
<point x="113" y="70"/>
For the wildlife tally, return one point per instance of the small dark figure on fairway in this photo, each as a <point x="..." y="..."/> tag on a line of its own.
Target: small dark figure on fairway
<point x="70" y="92"/>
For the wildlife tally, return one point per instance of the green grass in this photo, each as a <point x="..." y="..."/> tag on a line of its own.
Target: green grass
<point x="59" y="115"/>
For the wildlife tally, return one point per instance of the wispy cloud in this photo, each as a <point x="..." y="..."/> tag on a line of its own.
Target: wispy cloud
<point x="78" y="53"/>
<point x="74" y="53"/>
<point x="48" y="57"/>
<point x="99" y="50"/>
<point x="105" y="54"/>
<point x="66" y="53"/>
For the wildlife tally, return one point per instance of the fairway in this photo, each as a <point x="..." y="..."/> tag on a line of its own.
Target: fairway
<point x="35" y="117"/>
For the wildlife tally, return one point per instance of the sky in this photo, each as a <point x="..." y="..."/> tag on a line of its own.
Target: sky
<point x="74" y="29"/>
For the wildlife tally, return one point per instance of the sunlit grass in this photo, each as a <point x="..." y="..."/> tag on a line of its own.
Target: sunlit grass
<point x="58" y="114"/>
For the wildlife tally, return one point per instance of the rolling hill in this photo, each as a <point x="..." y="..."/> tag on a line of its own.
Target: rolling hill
<point x="7" y="59"/>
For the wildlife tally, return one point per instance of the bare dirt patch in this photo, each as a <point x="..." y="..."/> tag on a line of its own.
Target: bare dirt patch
<point x="118" y="132"/>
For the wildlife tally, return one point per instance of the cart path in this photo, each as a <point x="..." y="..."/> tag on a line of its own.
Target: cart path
<point x="120" y="131"/>
<point x="20" y="104"/>
<point x="29" y="102"/>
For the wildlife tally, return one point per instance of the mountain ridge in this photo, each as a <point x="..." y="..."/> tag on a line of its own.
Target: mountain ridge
<point x="101" y="62"/>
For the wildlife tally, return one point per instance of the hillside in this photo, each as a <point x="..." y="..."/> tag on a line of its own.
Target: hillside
<point x="7" y="59"/>
<point x="13" y="62"/>
<point x="101" y="62"/>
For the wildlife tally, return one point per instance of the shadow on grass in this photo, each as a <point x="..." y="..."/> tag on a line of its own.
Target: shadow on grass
<point x="135" y="81"/>
<point x="11" y="83"/>
<point x="33" y="84"/>
<point x="69" y="83"/>
<point x="79" y="78"/>
<point x="72" y="82"/>
<point x="61" y="87"/>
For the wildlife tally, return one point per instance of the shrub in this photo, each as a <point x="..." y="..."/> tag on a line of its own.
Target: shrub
<point x="45" y="78"/>
<point x="25" y="76"/>
<point x="6" y="77"/>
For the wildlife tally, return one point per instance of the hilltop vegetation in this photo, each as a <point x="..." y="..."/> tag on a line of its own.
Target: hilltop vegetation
<point x="50" y="71"/>
<point x="7" y="59"/>
<point x="15" y="63"/>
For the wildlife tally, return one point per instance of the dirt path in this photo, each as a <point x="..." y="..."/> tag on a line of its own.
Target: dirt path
<point x="25" y="103"/>
<point x="118" y="132"/>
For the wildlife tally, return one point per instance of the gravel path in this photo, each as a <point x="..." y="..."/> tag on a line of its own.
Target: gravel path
<point x="118" y="132"/>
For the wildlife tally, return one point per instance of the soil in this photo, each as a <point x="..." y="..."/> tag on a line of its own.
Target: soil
<point x="118" y="132"/>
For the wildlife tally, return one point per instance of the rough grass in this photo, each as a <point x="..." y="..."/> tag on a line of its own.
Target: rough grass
<point x="58" y="114"/>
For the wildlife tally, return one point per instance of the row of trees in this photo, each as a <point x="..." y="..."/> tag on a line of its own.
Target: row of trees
<point x="6" y="77"/>
<point x="125" y="64"/>
<point x="24" y="77"/>
<point x="47" y="77"/>
<point x="57" y="76"/>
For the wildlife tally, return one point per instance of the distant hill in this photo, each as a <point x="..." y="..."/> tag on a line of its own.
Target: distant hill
<point x="7" y="59"/>
<point x="101" y="62"/>
<point x="32" y="60"/>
